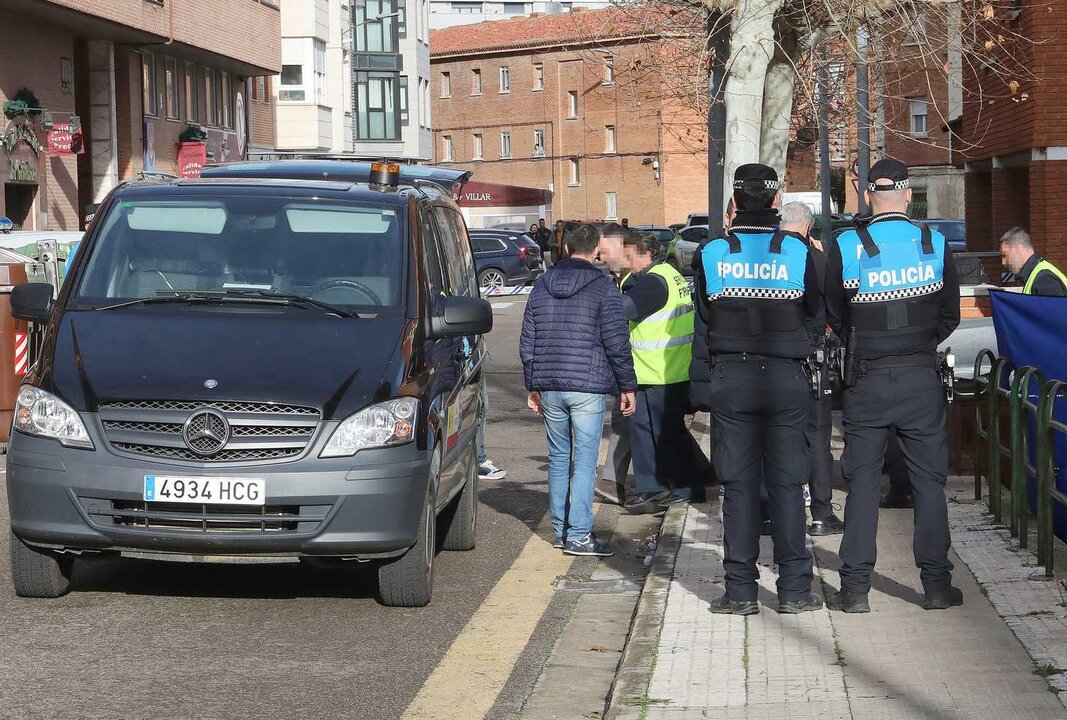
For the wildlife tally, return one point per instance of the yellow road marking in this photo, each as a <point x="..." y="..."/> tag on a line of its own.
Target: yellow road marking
<point x="472" y="673"/>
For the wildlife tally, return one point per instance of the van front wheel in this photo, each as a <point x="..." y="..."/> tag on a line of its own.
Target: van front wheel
<point x="39" y="573"/>
<point x="407" y="581"/>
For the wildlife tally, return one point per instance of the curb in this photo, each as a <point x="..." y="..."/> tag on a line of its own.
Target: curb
<point x="629" y="691"/>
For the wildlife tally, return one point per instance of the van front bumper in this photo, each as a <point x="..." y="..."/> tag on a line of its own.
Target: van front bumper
<point x="366" y="506"/>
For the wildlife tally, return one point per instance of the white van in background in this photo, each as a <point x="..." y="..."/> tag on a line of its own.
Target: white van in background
<point x="811" y="198"/>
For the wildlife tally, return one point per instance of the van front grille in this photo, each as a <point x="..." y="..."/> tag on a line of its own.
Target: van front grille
<point x="239" y="432"/>
<point x="204" y="519"/>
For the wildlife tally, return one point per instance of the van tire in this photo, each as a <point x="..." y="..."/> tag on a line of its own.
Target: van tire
<point x="39" y="573"/>
<point x="407" y="581"/>
<point x="461" y="518"/>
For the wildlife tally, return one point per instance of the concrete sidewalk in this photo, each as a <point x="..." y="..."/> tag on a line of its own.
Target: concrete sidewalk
<point x="899" y="661"/>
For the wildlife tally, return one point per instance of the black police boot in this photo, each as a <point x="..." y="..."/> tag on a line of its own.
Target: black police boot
<point x="646" y="503"/>
<point x="897" y="501"/>
<point x="795" y="607"/>
<point x="726" y="606"/>
<point x="827" y="526"/>
<point x="943" y="599"/>
<point x="849" y="602"/>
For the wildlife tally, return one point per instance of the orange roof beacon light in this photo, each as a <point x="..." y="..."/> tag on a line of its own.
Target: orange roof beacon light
<point x="385" y="174"/>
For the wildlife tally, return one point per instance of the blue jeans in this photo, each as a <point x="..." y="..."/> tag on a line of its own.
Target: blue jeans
<point x="485" y="416"/>
<point x="574" y="422"/>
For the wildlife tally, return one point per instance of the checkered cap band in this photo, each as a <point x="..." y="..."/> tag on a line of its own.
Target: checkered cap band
<point x="767" y="184"/>
<point x="897" y="185"/>
<point x="758" y="294"/>
<point x="874" y="297"/>
<point x="852" y="284"/>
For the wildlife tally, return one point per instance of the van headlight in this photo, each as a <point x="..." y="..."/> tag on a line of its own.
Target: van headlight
<point x="382" y="425"/>
<point x="43" y="414"/>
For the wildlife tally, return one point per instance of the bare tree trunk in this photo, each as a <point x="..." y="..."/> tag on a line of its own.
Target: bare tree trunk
<point x="752" y="41"/>
<point x="778" y="106"/>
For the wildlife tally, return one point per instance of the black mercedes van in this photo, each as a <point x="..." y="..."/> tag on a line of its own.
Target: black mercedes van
<point x="255" y="366"/>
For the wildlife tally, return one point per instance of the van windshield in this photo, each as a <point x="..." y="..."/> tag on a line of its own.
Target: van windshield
<point x="342" y="254"/>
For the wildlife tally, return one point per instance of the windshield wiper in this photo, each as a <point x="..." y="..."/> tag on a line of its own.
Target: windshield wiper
<point x="247" y="296"/>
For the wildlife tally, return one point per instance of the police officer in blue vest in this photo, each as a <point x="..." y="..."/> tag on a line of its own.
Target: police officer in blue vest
<point x="762" y="290"/>
<point x="892" y="288"/>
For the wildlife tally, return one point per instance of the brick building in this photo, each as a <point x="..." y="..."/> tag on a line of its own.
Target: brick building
<point x="1016" y="154"/>
<point x="573" y="104"/>
<point x="131" y="76"/>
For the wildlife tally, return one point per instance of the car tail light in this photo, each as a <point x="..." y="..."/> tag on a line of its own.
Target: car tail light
<point x="522" y="253"/>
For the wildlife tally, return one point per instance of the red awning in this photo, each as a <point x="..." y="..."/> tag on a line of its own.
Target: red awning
<point x="482" y="194"/>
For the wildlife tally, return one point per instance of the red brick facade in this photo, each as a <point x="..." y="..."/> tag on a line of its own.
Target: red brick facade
<point x="49" y="47"/>
<point x="1015" y="142"/>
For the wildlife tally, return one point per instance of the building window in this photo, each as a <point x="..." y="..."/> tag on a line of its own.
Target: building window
<point x="609" y="71"/>
<point x="576" y="172"/>
<point x="148" y="83"/>
<point x="476" y="82"/>
<point x="210" y="103"/>
<point x="446" y="85"/>
<point x="612" y="210"/>
<point x="292" y="86"/>
<point x="467" y="8"/>
<point x="320" y="72"/>
<point x="572" y="104"/>
<point x="191" y="96"/>
<point x="918" y="115"/>
<point x="379" y="35"/>
<point x="916" y="34"/>
<point x="225" y="101"/>
<point x="609" y="139"/>
<point x="403" y="101"/>
<point x="539" y="77"/>
<point x="505" y="80"/>
<point x="402" y="19"/>
<point x="505" y="144"/>
<point x="259" y="88"/>
<point x="66" y="75"/>
<point x="539" y="143"/>
<point x="514" y="8"/>
<point x="446" y="148"/>
<point x="477" y="146"/>
<point x="170" y="87"/>
<point x="376" y="103"/>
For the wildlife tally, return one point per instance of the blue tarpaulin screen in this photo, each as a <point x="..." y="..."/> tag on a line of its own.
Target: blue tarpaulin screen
<point x="1032" y="330"/>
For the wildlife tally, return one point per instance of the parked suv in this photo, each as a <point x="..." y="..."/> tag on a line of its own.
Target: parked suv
<point x="504" y="258"/>
<point x="255" y="367"/>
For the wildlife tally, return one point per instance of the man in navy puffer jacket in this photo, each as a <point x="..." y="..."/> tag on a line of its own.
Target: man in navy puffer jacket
<point x="575" y="349"/>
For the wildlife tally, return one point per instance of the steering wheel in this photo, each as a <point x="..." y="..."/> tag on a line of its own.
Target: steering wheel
<point x="324" y="285"/>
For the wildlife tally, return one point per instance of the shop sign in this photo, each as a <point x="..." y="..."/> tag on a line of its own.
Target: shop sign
<point x="191" y="159"/>
<point x="63" y="141"/>
<point x="22" y="172"/>
<point x="20" y="133"/>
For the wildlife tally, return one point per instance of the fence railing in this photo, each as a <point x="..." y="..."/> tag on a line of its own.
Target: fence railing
<point x="1031" y="404"/>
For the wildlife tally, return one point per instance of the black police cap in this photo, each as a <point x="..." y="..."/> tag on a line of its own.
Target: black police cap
<point x="755" y="175"/>
<point x="888" y="169"/>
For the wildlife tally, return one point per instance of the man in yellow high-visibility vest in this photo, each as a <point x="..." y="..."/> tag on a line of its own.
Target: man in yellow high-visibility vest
<point x="1039" y="276"/>
<point x="659" y="305"/>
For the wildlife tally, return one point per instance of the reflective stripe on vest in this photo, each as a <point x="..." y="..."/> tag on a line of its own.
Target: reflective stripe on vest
<point x="1042" y="266"/>
<point x="663" y="341"/>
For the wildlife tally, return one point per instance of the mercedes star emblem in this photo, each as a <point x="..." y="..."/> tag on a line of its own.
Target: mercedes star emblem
<point x="206" y="432"/>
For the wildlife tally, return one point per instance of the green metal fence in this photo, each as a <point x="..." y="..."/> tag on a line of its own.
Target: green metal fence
<point x="1031" y="402"/>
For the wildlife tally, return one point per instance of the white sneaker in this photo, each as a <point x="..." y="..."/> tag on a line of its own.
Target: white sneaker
<point x="488" y="471"/>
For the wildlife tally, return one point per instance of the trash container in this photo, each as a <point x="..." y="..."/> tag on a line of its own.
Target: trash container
<point x="15" y="347"/>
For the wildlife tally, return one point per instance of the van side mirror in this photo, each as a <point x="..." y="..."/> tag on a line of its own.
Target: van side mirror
<point x="32" y="301"/>
<point x="458" y="316"/>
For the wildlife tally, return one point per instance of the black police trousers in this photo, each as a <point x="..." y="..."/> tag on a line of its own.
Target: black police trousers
<point x="761" y="408"/>
<point x="821" y="476"/>
<point x="906" y="401"/>
<point x="664" y="453"/>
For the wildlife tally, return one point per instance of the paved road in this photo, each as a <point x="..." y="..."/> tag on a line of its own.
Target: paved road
<point x="152" y="639"/>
